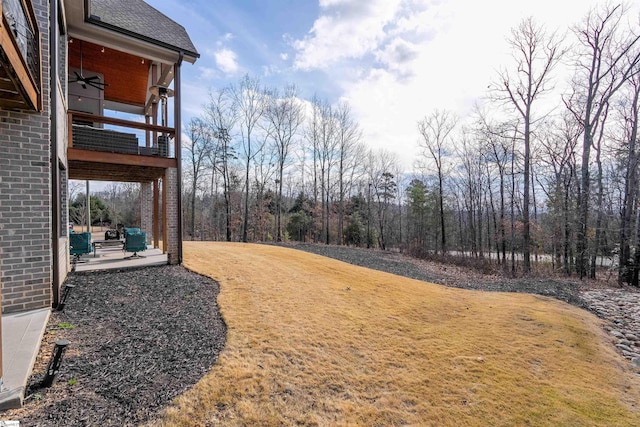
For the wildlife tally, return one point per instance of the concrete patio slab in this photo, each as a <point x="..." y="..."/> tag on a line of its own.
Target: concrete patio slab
<point x="21" y="337"/>
<point x="116" y="258"/>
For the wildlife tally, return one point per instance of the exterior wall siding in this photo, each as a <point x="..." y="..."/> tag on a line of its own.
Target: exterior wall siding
<point x="25" y="196"/>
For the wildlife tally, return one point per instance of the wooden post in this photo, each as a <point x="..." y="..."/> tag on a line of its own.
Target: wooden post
<point x="88" y="208"/>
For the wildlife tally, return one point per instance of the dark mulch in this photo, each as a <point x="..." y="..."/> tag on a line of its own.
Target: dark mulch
<point x="139" y="338"/>
<point x="450" y="275"/>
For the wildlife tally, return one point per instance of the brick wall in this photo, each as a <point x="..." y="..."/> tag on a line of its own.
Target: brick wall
<point x="146" y="210"/>
<point x="171" y="187"/>
<point x="25" y="196"/>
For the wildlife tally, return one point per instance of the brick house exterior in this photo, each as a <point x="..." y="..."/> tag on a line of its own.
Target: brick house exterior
<point x="25" y="194"/>
<point x="38" y="154"/>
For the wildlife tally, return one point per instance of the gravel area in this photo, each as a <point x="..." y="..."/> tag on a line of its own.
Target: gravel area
<point x="567" y="290"/>
<point x="138" y="338"/>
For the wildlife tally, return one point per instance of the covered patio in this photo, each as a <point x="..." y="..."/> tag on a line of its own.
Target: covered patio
<point x="109" y="258"/>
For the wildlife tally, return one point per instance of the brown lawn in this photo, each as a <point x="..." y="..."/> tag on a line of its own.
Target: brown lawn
<point x="314" y="341"/>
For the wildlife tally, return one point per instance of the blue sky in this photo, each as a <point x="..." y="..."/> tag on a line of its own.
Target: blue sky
<point x="394" y="61"/>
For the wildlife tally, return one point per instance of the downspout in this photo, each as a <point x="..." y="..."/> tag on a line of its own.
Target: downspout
<point x="55" y="172"/>
<point x="178" y="126"/>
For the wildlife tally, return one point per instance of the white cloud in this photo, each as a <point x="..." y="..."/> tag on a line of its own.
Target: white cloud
<point x="398" y="56"/>
<point x="226" y="61"/>
<point x="346" y="29"/>
<point x="207" y="73"/>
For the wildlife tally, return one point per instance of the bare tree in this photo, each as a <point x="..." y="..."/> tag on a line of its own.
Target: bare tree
<point x="249" y="98"/>
<point x="221" y="116"/>
<point x="285" y="115"/>
<point x="535" y="53"/>
<point x="558" y="146"/>
<point x="198" y="149"/>
<point x="435" y="131"/>
<point x="321" y="133"/>
<point x="383" y="185"/>
<point x="348" y="134"/>
<point x="598" y="147"/>
<point x="498" y="151"/>
<point x="628" y="266"/>
<point x="608" y="56"/>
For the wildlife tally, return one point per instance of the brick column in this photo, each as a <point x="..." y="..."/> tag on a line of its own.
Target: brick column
<point x="170" y="185"/>
<point x="146" y="209"/>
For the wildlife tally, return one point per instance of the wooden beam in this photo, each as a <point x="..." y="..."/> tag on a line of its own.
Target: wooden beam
<point x="13" y="104"/>
<point x="70" y="130"/>
<point x="112" y="172"/>
<point x="120" y="159"/>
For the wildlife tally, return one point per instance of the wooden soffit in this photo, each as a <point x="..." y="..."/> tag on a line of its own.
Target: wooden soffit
<point x="127" y="75"/>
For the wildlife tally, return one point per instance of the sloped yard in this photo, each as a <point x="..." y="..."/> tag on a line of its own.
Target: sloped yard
<point x="314" y="341"/>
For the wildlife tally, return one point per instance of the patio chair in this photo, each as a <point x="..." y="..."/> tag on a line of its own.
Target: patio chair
<point x="135" y="242"/>
<point x="131" y="230"/>
<point x="80" y="244"/>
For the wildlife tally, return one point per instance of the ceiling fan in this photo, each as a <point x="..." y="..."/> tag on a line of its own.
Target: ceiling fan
<point x="93" y="81"/>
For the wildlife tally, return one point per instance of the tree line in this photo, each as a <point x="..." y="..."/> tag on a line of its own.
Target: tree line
<point x="529" y="179"/>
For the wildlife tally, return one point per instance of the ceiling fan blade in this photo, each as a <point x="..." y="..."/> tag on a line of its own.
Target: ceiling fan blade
<point x="97" y="85"/>
<point x="78" y="77"/>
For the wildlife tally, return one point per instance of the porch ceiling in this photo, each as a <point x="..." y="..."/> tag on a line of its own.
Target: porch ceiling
<point x="127" y="75"/>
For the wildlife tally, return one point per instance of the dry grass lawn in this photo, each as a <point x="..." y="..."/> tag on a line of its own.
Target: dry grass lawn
<point x="314" y="341"/>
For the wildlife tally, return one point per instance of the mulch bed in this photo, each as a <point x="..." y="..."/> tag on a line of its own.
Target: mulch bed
<point x="138" y="338"/>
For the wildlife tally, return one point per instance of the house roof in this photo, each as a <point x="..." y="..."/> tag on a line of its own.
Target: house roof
<point x="137" y="19"/>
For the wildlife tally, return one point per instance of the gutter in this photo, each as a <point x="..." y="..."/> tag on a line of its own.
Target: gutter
<point x="178" y="126"/>
<point x="181" y="52"/>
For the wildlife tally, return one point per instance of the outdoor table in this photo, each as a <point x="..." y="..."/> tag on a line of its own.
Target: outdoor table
<point x="106" y="243"/>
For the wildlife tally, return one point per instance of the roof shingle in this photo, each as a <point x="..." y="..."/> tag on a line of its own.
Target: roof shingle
<point x="137" y="17"/>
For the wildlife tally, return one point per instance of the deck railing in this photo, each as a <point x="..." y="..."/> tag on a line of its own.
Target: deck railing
<point x="23" y="27"/>
<point x="113" y="135"/>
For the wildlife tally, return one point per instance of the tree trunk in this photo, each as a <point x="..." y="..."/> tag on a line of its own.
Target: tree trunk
<point x="625" y="272"/>
<point x="503" y="236"/>
<point x="583" y="205"/>
<point x="598" y="235"/>
<point x="245" y="221"/>
<point x="526" y="233"/>
<point x="441" y="201"/>
<point x="635" y="276"/>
